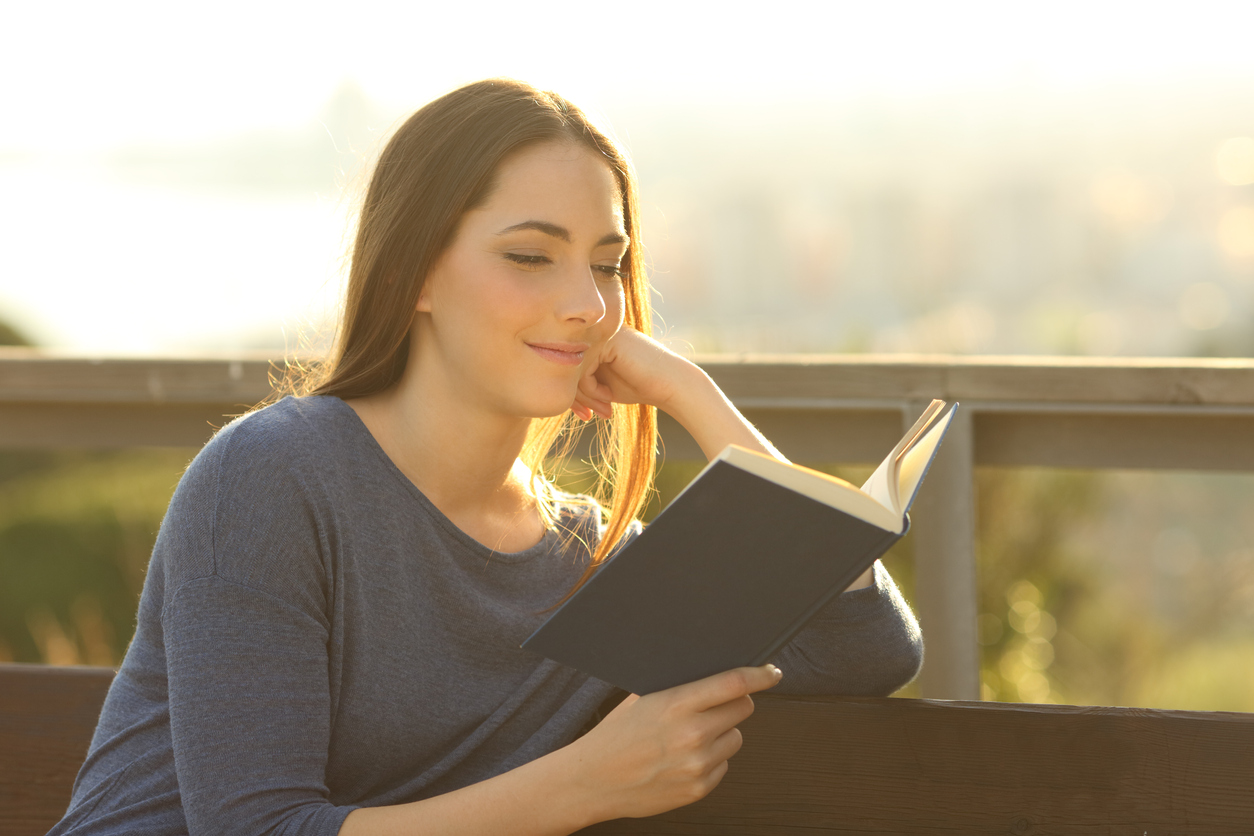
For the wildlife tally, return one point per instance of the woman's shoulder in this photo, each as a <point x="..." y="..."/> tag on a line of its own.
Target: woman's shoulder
<point x="288" y="424"/>
<point x="290" y="434"/>
<point x="264" y="485"/>
<point x="271" y="452"/>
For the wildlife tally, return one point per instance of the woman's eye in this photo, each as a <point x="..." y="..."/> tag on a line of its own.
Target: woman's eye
<point x="528" y="260"/>
<point x="610" y="271"/>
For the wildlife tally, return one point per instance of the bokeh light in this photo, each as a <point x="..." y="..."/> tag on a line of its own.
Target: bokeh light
<point x="1236" y="232"/>
<point x="1204" y="306"/>
<point x="1235" y="161"/>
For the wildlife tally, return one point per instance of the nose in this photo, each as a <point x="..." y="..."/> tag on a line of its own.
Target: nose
<point x="582" y="298"/>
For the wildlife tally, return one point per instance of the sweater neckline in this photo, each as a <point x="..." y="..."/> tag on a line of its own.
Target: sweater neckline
<point x="478" y="549"/>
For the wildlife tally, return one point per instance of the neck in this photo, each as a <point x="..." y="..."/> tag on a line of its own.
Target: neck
<point x="462" y="456"/>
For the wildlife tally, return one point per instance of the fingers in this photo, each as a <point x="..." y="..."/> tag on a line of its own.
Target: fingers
<point x="726" y="745"/>
<point x="729" y="714"/>
<point x="672" y="747"/>
<point x="724" y="687"/>
<point x="592" y="397"/>
<point x="585" y="410"/>
<point x="592" y="386"/>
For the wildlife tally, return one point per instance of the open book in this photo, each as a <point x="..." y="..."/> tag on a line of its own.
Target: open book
<point x="736" y="565"/>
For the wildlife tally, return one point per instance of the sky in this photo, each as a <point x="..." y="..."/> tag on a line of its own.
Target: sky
<point x="80" y="80"/>
<point x="85" y="75"/>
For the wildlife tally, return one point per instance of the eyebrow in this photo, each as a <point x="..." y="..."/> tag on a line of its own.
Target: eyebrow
<point x="562" y="232"/>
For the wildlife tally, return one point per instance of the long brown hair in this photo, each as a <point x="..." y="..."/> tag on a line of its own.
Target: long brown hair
<point x="437" y="166"/>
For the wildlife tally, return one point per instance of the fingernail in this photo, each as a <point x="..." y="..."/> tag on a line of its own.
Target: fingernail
<point x="778" y="673"/>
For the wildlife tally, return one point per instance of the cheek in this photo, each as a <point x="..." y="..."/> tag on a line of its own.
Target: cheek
<point x="495" y="300"/>
<point x="615" y="307"/>
<point x="518" y="292"/>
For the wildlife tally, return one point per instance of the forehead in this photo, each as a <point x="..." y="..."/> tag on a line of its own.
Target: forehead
<point x="560" y="182"/>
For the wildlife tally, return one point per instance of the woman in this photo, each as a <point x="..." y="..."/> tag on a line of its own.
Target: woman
<point x="327" y="641"/>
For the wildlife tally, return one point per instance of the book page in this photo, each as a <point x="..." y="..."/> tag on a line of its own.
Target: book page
<point x="914" y="461"/>
<point x="884" y="484"/>
<point x="876" y="486"/>
<point x="836" y="493"/>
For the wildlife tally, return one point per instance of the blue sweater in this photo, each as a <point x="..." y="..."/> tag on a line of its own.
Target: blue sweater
<point x="315" y="636"/>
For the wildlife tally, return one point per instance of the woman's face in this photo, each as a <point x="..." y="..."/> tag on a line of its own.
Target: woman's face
<point x="520" y="304"/>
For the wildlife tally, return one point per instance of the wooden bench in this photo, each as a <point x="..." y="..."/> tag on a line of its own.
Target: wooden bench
<point x="47" y="716"/>
<point x="819" y="765"/>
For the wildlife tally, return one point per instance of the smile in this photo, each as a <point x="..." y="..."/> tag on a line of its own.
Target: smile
<point x="564" y="354"/>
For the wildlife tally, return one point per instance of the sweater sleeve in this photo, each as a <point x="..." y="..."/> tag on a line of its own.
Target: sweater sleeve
<point x="249" y="712"/>
<point x="866" y="642"/>
<point x="245" y="632"/>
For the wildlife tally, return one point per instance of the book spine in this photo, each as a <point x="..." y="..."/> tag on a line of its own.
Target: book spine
<point x="795" y="627"/>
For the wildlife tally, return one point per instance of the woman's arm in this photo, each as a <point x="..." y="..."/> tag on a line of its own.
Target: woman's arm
<point x="649" y="755"/>
<point x="637" y="369"/>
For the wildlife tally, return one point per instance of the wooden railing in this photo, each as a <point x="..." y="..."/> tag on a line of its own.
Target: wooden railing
<point x="817" y="765"/>
<point x="1062" y="412"/>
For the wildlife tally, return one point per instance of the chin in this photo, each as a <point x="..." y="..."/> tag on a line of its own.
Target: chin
<point x="547" y="407"/>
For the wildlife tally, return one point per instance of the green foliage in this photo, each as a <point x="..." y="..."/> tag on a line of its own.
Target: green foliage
<point x="1028" y="579"/>
<point x="76" y="532"/>
<point x="11" y="336"/>
<point x="1116" y="588"/>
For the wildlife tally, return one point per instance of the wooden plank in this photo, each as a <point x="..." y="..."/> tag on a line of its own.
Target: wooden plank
<point x="943" y="532"/>
<point x="47" y="716"/>
<point x="785" y="380"/>
<point x="30" y="376"/>
<point x="1027" y="437"/>
<point x="1184" y="381"/>
<point x="1188" y="440"/>
<point x="814" y="765"/>
<point x="789" y="380"/>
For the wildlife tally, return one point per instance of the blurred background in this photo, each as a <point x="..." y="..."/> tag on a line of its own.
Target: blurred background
<point x="977" y="178"/>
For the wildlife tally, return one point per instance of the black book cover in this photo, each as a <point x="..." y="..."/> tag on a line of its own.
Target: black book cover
<point x="724" y="577"/>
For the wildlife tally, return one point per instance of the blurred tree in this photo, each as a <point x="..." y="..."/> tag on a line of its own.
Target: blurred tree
<point x="1101" y="588"/>
<point x="1029" y="582"/>
<point x="11" y="336"/>
<point x="76" y="532"/>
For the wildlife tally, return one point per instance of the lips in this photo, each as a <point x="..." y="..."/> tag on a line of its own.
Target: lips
<point x="564" y="354"/>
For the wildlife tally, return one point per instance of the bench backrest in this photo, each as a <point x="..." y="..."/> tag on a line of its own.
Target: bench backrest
<point x="852" y="765"/>
<point x="819" y="765"/>
<point x="47" y="716"/>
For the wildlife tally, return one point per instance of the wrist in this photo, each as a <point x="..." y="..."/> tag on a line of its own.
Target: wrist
<point x="566" y="777"/>
<point x="691" y="393"/>
<point x="711" y="418"/>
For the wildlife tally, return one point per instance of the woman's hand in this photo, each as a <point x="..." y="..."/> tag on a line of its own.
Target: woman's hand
<point x="632" y="368"/>
<point x="664" y="750"/>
